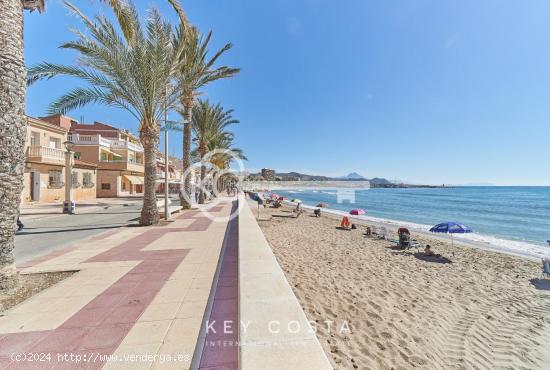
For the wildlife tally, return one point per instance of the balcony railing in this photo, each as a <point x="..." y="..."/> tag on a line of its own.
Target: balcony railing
<point x="130" y="161"/>
<point x="46" y="153"/>
<point x="79" y="139"/>
<point x="121" y="144"/>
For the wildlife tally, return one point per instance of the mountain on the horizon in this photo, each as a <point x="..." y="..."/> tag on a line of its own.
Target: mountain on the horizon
<point x="376" y="182"/>
<point x="380" y="181"/>
<point x="353" y="176"/>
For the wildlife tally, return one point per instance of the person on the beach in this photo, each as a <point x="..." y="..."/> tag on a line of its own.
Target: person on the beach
<point x="368" y="233"/>
<point x="345" y="224"/>
<point x="428" y="252"/>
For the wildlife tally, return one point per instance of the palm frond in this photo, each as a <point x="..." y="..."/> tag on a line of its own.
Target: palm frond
<point x="127" y="16"/>
<point x="210" y="124"/>
<point x="77" y="98"/>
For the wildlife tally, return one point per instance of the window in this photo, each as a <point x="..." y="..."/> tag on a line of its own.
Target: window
<point x="55" y="143"/>
<point x="105" y="186"/>
<point x="35" y="138"/>
<point x="74" y="177"/>
<point x="54" y="178"/>
<point x="87" y="180"/>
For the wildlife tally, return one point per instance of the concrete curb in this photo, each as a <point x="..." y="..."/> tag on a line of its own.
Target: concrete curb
<point x="278" y="335"/>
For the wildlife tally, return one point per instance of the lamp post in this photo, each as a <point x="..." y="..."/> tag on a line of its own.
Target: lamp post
<point x="68" y="205"/>
<point x="166" y="166"/>
<point x="166" y="171"/>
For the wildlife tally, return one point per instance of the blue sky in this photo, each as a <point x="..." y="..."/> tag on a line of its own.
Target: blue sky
<point x="424" y="91"/>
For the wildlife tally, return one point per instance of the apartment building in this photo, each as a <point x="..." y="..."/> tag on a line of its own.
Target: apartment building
<point x="117" y="154"/>
<point x="174" y="175"/>
<point x="44" y="178"/>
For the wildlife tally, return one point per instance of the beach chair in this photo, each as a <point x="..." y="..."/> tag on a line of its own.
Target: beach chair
<point x="545" y="273"/>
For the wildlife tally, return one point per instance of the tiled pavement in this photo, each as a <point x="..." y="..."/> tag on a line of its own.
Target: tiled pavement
<point x="138" y="291"/>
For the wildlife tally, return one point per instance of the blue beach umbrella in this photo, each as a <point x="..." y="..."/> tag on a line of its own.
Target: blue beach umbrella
<point x="451" y="227"/>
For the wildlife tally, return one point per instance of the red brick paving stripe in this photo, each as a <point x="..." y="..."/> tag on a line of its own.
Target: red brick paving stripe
<point x="220" y="349"/>
<point x="102" y="324"/>
<point x="65" y="250"/>
<point x="106" y="234"/>
<point x="216" y="209"/>
<point x="47" y="257"/>
<point x="188" y="214"/>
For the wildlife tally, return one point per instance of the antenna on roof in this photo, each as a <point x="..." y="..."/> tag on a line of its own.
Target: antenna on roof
<point x="81" y="119"/>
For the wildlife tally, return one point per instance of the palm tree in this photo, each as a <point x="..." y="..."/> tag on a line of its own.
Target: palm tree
<point x="196" y="71"/>
<point x="13" y="120"/>
<point x="221" y="160"/>
<point x="133" y="74"/>
<point x="209" y="128"/>
<point x="12" y="133"/>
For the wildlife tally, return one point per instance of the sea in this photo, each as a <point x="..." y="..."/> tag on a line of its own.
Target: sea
<point x="510" y="219"/>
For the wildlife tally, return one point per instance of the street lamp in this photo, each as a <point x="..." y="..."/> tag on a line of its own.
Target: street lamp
<point x="166" y="166"/>
<point x="68" y="204"/>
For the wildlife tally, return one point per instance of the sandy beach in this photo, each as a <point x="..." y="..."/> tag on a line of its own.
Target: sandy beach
<point x="471" y="308"/>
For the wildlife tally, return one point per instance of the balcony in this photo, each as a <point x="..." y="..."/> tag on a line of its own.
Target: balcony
<point x="121" y="164"/>
<point x="121" y="144"/>
<point x="88" y="140"/>
<point x="79" y="139"/>
<point x="43" y="154"/>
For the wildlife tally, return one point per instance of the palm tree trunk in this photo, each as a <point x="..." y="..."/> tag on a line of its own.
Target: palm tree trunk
<point x="215" y="183"/>
<point x="12" y="133"/>
<point x="202" y="151"/>
<point x="149" y="212"/>
<point x="202" y="194"/>
<point x="188" y="109"/>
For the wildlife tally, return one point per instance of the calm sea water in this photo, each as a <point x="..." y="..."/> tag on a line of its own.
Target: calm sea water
<point x="518" y="216"/>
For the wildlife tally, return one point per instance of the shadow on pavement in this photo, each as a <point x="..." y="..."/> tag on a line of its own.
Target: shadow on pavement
<point x="67" y="230"/>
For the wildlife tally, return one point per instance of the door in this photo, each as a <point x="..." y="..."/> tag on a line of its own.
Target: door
<point x="35" y="186"/>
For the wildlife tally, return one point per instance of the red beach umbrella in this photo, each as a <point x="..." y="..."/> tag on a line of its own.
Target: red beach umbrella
<point x="357" y="212"/>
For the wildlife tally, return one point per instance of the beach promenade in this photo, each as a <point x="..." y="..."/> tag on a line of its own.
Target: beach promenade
<point x="162" y="297"/>
<point x="137" y="291"/>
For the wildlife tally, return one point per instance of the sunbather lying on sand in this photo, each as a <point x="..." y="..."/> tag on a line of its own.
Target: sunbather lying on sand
<point x="428" y="252"/>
